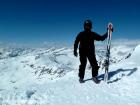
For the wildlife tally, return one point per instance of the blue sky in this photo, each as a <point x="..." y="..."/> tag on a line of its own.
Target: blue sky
<point x="38" y="21"/>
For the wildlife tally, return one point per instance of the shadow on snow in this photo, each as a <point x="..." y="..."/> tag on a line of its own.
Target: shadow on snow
<point x="113" y="73"/>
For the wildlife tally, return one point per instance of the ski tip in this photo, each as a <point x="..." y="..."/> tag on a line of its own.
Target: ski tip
<point x="110" y="25"/>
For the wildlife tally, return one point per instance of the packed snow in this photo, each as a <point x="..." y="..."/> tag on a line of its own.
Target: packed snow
<point x="49" y="76"/>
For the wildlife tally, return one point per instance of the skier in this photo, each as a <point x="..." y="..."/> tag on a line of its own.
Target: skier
<point x="85" y="42"/>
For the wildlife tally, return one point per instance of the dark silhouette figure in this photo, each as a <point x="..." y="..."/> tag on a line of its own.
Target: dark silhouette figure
<point x="85" y="41"/>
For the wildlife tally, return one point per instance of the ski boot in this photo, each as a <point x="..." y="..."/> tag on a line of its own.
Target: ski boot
<point x="81" y="80"/>
<point x="96" y="80"/>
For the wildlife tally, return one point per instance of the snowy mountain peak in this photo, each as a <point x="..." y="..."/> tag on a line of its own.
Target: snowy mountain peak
<point x="50" y="76"/>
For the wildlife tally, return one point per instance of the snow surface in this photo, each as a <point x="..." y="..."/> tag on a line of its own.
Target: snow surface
<point x="50" y="77"/>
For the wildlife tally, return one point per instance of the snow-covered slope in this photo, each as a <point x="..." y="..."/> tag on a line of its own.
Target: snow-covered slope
<point x="50" y="77"/>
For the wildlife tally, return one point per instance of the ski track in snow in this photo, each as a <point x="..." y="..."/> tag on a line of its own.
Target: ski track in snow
<point x="50" y="77"/>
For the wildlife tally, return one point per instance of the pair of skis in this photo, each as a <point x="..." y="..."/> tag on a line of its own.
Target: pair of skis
<point x="110" y="30"/>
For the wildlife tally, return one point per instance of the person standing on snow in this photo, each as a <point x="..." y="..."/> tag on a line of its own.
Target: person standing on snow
<point x="85" y="42"/>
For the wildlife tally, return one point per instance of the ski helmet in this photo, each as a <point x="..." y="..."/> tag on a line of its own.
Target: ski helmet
<point x="88" y="22"/>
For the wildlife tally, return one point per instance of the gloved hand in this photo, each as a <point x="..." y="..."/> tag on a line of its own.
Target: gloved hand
<point x="104" y="37"/>
<point x="75" y="53"/>
<point x="111" y="29"/>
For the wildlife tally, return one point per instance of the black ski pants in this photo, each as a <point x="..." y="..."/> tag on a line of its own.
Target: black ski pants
<point x="93" y="62"/>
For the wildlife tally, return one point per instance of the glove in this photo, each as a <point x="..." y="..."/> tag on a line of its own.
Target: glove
<point x="104" y="37"/>
<point x="111" y="29"/>
<point x="75" y="53"/>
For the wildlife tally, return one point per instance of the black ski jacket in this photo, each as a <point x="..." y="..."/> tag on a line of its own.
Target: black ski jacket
<point x="86" y="39"/>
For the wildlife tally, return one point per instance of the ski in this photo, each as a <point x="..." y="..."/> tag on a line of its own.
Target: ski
<point x="110" y="29"/>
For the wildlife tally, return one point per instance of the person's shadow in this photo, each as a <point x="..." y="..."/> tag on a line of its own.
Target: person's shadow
<point x="112" y="73"/>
